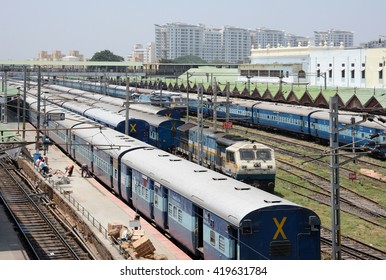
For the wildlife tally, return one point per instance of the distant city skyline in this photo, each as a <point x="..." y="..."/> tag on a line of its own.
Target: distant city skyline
<point x="91" y="26"/>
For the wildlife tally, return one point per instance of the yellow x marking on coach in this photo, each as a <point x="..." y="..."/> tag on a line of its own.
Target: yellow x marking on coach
<point x="173" y="126"/>
<point x="279" y="228"/>
<point x="133" y="127"/>
<point x="168" y="115"/>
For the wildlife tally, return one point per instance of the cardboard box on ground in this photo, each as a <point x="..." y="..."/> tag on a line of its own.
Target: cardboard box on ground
<point x="133" y="242"/>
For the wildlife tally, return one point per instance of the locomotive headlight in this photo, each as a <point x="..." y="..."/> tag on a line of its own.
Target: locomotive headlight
<point x="269" y="166"/>
<point x="257" y="164"/>
<point x="244" y="166"/>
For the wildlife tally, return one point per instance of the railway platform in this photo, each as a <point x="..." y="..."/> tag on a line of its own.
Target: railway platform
<point x="87" y="195"/>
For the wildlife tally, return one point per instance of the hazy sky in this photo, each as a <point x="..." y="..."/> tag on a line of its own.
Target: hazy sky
<point x="28" y="26"/>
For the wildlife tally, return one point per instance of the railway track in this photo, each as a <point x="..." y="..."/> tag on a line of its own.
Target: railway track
<point x="351" y="198"/>
<point x="309" y="151"/>
<point x="351" y="249"/>
<point x="48" y="235"/>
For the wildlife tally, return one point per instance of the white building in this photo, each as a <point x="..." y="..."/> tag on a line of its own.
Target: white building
<point x="141" y="54"/>
<point x="334" y="38"/>
<point x="266" y="38"/>
<point x="319" y="66"/>
<point x="236" y="44"/>
<point x="178" y="39"/>
<point x="228" y="44"/>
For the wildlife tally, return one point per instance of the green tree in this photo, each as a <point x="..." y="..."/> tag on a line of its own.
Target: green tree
<point x="190" y="59"/>
<point x="107" y="55"/>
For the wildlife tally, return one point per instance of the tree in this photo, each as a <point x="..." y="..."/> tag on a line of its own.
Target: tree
<point x="188" y="59"/>
<point x="107" y="55"/>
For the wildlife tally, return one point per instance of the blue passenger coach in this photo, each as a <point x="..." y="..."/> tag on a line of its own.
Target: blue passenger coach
<point x="218" y="217"/>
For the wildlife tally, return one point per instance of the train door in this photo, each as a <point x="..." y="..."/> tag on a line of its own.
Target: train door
<point x="198" y="228"/>
<point x="165" y="198"/>
<point x="219" y="158"/>
<point x="73" y="146"/>
<point x="114" y="177"/>
<point x="92" y="159"/>
<point x="68" y="140"/>
<point x="233" y="237"/>
<point x="230" y="162"/>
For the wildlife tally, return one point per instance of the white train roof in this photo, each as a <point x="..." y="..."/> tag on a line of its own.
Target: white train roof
<point x="232" y="200"/>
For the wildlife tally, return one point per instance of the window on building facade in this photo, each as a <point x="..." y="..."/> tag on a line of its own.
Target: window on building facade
<point x="352" y="74"/>
<point x="301" y="74"/>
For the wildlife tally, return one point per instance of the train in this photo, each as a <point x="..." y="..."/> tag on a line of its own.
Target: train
<point x="211" y="215"/>
<point x="312" y="123"/>
<point x="238" y="157"/>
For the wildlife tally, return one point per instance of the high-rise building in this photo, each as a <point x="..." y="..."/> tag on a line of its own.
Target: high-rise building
<point x="57" y="55"/>
<point x="43" y="55"/>
<point x="143" y="54"/>
<point x="263" y="38"/>
<point x="213" y="49"/>
<point x="228" y="44"/>
<point x="236" y="44"/>
<point x="233" y="44"/>
<point x="178" y="39"/>
<point x="334" y="38"/>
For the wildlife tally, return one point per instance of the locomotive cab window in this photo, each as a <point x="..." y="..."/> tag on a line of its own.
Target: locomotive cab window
<point x="263" y="154"/>
<point x="247" y="155"/>
<point x="230" y="156"/>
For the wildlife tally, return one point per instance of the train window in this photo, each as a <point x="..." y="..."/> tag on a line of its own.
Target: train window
<point x="174" y="211"/>
<point x="212" y="238"/>
<point x="230" y="156"/>
<point x="263" y="154"/>
<point x="156" y="201"/>
<point x="170" y="209"/>
<point x="247" y="155"/>
<point x="246" y="227"/>
<point x="221" y="243"/>
<point x="179" y="215"/>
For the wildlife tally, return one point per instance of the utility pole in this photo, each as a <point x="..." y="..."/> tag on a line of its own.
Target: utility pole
<point x="38" y="111"/>
<point x="24" y="99"/>
<point x="334" y="175"/>
<point x="18" y="110"/>
<point x="160" y="93"/>
<point x="200" y="117"/>
<point x="227" y="107"/>
<point x="188" y="75"/>
<point x="45" y="147"/>
<point x="127" y="106"/>
<point x="214" y="87"/>
<point x="5" y="108"/>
